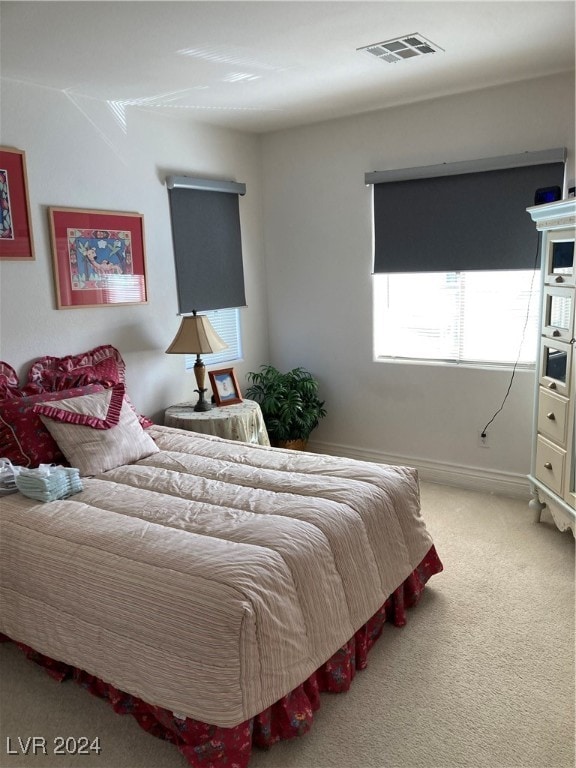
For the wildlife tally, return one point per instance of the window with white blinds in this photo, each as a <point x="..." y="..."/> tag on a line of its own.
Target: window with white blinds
<point x="226" y="323"/>
<point x="478" y="318"/>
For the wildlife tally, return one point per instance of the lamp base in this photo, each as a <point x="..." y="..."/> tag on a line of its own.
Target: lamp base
<point x="202" y="404"/>
<point x="200" y="375"/>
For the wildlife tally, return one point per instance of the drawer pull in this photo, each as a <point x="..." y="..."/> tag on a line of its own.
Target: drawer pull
<point x="551" y="416"/>
<point x="556" y="333"/>
<point x="547" y="465"/>
<point x="559" y="279"/>
<point x="552" y="385"/>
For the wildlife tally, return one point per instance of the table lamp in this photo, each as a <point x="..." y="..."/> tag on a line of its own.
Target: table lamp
<point x="196" y="336"/>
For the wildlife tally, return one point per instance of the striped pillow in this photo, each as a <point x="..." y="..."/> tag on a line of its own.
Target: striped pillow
<point x="97" y="432"/>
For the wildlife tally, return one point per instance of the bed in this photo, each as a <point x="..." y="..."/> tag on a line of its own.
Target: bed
<point x="211" y="588"/>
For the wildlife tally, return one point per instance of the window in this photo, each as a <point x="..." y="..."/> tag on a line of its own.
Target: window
<point x="455" y="255"/>
<point x="226" y="323"/>
<point x="484" y="318"/>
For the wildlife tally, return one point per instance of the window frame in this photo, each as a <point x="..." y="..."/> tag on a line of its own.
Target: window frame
<point x="532" y="313"/>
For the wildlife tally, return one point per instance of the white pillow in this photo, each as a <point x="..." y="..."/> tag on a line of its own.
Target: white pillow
<point x="97" y="432"/>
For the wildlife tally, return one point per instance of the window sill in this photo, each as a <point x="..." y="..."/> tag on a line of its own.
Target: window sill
<point x="523" y="368"/>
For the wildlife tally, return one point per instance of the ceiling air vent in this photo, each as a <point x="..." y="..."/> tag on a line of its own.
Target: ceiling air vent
<point x="401" y="48"/>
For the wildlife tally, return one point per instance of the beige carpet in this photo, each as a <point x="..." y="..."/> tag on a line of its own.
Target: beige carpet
<point x="481" y="676"/>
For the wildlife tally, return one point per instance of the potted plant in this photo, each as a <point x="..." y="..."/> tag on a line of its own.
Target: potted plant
<point x="290" y="404"/>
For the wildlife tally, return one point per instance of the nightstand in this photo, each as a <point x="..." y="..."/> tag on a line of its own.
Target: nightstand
<point x="241" y="421"/>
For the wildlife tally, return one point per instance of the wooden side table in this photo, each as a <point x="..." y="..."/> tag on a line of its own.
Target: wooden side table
<point x="242" y="421"/>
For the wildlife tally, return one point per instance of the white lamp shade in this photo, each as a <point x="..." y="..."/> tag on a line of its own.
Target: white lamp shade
<point x="196" y="336"/>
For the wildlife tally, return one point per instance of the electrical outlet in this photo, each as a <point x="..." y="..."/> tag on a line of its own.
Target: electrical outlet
<point x="483" y="440"/>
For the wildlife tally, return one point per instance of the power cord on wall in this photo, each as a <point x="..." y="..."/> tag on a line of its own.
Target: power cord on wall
<point x="484" y="432"/>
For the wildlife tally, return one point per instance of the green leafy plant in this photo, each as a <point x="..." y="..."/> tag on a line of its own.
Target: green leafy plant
<point x="289" y="402"/>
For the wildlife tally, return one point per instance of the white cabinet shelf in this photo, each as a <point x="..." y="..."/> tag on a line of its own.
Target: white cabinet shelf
<point x="552" y="474"/>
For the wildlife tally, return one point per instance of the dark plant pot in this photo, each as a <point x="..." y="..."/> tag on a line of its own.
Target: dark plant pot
<point x="293" y="445"/>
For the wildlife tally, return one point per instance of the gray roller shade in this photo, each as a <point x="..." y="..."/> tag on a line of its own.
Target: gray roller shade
<point x="461" y="220"/>
<point x="207" y="244"/>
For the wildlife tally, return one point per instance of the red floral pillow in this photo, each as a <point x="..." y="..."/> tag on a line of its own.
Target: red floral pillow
<point x="8" y="382"/>
<point x="101" y="365"/>
<point x="23" y="437"/>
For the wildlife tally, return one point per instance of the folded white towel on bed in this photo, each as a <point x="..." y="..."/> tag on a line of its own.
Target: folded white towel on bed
<point x="48" y="483"/>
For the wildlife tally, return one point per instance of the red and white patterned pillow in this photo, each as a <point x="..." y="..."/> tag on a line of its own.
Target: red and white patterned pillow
<point x="67" y="411"/>
<point x="97" y="432"/>
<point x="101" y="365"/>
<point x="23" y="437"/>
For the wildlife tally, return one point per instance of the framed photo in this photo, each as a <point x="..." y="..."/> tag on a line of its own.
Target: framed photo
<point x="99" y="257"/>
<point x="16" y="241"/>
<point x="225" y="387"/>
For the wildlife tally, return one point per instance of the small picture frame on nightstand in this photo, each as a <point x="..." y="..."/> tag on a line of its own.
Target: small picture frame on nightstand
<point x="225" y="387"/>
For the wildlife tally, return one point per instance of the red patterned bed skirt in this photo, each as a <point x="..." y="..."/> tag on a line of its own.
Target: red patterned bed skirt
<point x="209" y="746"/>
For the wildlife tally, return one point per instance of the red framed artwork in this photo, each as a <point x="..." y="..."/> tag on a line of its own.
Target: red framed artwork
<point x="225" y="387"/>
<point x="99" y="257"/>
<point x="16" y="241"/>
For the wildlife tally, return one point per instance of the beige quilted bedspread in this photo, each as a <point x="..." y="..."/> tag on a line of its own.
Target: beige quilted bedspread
<point x="212" y="577"/>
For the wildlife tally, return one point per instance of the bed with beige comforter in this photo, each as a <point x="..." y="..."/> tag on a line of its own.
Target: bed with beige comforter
<point x="212" y="577"/>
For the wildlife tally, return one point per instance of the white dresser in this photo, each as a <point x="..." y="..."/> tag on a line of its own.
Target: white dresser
<point x="552" y="474"/>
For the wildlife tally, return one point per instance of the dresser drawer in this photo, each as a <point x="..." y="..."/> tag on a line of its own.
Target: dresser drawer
<point x="552" y="416"/>
<point x="550" y="460"/>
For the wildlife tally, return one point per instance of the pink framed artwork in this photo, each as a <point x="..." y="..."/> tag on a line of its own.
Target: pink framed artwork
<point x="99" y="257"/>
<point x="16" y="241"/>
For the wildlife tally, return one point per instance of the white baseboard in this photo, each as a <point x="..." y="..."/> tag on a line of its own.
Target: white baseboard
<point x="472" y="478"/>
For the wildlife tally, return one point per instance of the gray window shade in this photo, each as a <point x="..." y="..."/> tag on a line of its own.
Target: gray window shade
<point x="207" y="248"/>
<point x="465" y="221"/>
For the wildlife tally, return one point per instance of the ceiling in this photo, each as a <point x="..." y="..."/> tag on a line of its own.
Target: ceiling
<point x="263" y="65"/>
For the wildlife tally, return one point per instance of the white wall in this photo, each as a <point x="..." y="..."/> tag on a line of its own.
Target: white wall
<point x="317" y="214"/>
<point x="80" y="155"/>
